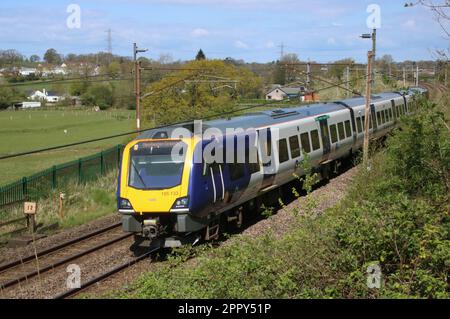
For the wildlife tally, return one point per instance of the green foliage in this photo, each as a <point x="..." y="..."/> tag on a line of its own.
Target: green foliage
<point x="8" y="96"/>
<point x="200" y="55"/>
<point x="99" y="95"/>
<point x="52" y="57"/>
<point x="189" y="94"/>
<point x="395" y="216"/>
<point x="337" y="70"/>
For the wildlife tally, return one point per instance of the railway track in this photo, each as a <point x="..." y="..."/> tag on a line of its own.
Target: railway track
<point x="75" y="291"/>
<point x="23" y="269"/>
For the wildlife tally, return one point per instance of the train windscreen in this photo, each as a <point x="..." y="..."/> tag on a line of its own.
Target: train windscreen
<point x="156" y="165"/>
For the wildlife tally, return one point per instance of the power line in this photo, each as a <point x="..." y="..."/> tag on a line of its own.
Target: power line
<point x="148" y="129"/>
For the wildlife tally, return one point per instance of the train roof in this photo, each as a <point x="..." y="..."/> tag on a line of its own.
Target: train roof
<point x="271" y="117"/>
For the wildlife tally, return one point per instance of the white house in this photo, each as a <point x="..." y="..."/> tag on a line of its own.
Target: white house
<point x="27" y="71"/>
<point x="49" y="96"/>
<point x="27" y="105"/>
<point x="279" y="93"/>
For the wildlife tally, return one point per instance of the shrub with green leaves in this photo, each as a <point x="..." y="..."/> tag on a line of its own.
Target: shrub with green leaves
<point x="396" y="216"/>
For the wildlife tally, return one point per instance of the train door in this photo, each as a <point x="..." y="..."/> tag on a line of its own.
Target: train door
<point x="268" y="164"/>
<point x="325" y="134"/>
<point x="394" y="110"/>
<point x="217" y="182"/>
<point x="373" y="116"/>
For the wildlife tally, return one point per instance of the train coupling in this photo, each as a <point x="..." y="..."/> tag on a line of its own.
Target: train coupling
<point x="151" y="228"/>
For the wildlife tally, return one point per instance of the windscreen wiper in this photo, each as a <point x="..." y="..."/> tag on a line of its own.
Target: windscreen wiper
<point x="139" y="175"/>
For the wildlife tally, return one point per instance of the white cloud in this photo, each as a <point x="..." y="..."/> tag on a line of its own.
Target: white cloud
<point x="199" y="32"/>
<point x="331" y="41"/>
<point x="240" y="45"/>
<point x="409" y="24"/>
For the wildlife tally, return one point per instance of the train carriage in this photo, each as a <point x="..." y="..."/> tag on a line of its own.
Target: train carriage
<point x="169" y="193"/>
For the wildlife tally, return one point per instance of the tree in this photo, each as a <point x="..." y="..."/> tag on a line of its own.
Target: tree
<point x="99" y="95"/>
<point x="200" y="55"/>
<point x="52" y="57"/>
<point x="187" y="94"/>
<point x="8" y="96"/>
<point x="338" y="67"/>
<point x="10" y="57"/>
<point x="35" y="58"/>
<point x="279" y="74"/>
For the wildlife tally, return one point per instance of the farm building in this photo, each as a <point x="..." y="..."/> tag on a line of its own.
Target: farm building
<point x="279" y="93"/>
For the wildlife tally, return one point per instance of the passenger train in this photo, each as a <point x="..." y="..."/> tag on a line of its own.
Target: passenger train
<point x="168" y="201"/>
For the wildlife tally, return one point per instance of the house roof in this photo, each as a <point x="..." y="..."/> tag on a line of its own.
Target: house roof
<point x="288" y="90"/>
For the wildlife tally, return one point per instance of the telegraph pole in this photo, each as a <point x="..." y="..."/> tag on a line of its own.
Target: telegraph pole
<point x="417" y="75"/>
<point x="372" y="36"/>
<point x="404" y="77"/>
<point x="347" y="80"/>
<point x="308" y="74"/>
<point x="367" y="109"/>
<point x="137" y="84"/>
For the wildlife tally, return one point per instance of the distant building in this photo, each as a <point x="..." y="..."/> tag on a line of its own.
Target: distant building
<point x="48" y="96"/>
<point x="279" y="93"/>
<point x="27" y="71"/>
<point x="27" y="105"/>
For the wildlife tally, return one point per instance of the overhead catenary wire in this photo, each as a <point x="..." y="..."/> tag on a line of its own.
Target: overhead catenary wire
<point x="15" y="155"/>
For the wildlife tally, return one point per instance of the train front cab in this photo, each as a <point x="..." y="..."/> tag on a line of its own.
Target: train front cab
<point x="153" y="187"/>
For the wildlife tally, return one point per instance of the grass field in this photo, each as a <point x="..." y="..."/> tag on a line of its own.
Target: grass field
<point x="27" y="130"/>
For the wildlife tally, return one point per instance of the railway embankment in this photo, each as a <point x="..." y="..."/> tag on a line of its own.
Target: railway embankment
<point x="377" y="233"/>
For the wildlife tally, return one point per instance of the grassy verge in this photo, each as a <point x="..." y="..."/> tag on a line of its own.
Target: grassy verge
<point x="33" y="129"/>
<point x="394" y="218"/>
<point x="82" y="203"/>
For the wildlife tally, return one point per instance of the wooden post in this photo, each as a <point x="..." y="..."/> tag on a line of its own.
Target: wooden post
<point x="29" y="209"/>
<point x="367" y="110"/>
<point x="61" y="204"/>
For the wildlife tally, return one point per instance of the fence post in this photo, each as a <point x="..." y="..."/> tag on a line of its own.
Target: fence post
<point x="54" y="176"/>
<point x="24" y="188"/>
<point x="80" y="173"/>
<point x="102" y="165"/>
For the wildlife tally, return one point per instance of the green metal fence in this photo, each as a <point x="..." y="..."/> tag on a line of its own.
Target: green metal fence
<point x="40" y="184"/>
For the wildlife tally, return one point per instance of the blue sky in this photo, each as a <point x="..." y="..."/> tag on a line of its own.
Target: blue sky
<point x="321" y="30"/>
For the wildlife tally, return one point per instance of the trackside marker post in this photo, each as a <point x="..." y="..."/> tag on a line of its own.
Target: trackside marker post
<point x="29" y="209"/>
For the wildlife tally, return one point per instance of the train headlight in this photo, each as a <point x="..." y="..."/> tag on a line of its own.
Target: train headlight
<point x="182" y="202"/>
<point x="124" y="204"/>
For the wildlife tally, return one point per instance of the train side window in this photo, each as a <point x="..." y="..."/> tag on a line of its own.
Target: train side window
<point x="295" y="146"/>
<point x="283" y="154"/>
<point x="379" y="118"/>
<point x="390" y="115"/>
<point x="341" y="131"/>
<point x="348" y="130"/>
<point x="358" y="124"/>
<point x="363" y="120"/>
<point x="388" y="119"/>
<point x="304" y="138"/>
<point x="252" y="167"/>
<point x="383" y="117"/>
<point x="315" y="140"/>
<point x="333" y="133"/>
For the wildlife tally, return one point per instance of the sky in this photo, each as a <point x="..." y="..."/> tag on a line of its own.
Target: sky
<point x="252" y="30"/>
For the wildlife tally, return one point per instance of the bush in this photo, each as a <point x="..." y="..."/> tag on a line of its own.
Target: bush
<point x="395" y="216"/>
<point x="100" y="95"/>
